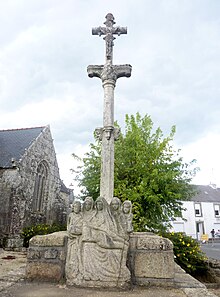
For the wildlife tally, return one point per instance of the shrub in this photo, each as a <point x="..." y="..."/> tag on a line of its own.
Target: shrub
<point x="188" y="253"/>
<point x="40" y="229"/>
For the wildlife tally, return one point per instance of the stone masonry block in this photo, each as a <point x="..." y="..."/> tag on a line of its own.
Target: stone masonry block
<point x="154" y="265"/>
<point x="150" y="257"/>
<point x="44" y="271"/>
<point x="53" y="239"/>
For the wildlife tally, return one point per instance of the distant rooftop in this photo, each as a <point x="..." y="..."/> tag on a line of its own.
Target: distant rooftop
<point x="14" y="142"/>
<point x="208" y="193"/>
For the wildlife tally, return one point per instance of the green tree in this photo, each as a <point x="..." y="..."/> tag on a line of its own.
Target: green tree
<point x="148" y="171"/>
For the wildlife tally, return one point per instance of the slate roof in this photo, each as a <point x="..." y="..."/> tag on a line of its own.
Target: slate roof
<point x="63" y="188"/>
<point x="13" y="143"/>
<point x="207" y="194"/>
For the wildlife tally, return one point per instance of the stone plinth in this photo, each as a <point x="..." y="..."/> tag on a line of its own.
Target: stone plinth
<point x="47" y="257"/>
<point x="151" y="259"/>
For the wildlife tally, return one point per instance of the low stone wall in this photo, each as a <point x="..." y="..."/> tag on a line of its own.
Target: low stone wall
<point x="214" y="266"/>
<point x="14" y="244"/>
<point x="47" y="257"/>
<point x="151" y="259"/>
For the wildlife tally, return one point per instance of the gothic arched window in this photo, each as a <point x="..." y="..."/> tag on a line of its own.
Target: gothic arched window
<point x="39" y="187"/>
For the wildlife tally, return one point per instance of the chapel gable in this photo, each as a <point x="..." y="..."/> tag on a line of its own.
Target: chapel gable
<point x="30" y="184"/>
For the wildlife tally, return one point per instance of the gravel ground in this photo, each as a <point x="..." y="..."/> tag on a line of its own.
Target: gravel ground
<point x="13" y="284"/>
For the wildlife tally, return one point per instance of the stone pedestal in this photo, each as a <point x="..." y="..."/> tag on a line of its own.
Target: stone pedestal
<point x="151" y="259"/>
<point x="47" y="257"/>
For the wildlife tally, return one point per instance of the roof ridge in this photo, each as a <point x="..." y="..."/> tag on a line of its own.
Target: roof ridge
<point x="18" y="129"/>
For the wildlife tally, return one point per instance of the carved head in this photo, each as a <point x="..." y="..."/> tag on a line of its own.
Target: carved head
<point x="100" y="203"/>
<point x="127" y="207"/>
<point x="88" y="203"/>
<point x="115" y="203"/>
<point x="76" y="207"/>
<point x="109" y="19"/>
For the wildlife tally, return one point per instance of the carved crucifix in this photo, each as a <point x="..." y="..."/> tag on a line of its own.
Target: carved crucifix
<point x="108" y="31"/>
<point x="109" y="74"/>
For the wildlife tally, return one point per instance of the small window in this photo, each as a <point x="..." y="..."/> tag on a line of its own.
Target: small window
<point x="39" y="188"/>
<point x="217" y="210"/>
<point x="198" y="210"/>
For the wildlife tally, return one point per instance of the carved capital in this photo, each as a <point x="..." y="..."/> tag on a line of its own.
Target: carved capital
<point x="108" y="130"/>
<point x="109" y="71"/>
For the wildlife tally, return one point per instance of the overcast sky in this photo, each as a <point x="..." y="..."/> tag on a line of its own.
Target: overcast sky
<point x="172" y="45"/>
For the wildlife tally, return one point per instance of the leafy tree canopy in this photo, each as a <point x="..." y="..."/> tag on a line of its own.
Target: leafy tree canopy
<point x="148" y="171"/>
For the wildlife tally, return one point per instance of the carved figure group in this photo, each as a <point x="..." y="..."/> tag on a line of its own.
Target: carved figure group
<point x="98" y="236"/>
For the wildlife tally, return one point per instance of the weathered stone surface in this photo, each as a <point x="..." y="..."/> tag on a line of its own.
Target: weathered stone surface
<point x="44" y="271"/>
<point x="53" y="239"/>
<point x="12" y="243"/>
<point x="98" y="243"/>
<point x="154" y="265"/>
<point x="21" y="205"/>
<point x="191" y="292"/>
<point x="184" y="280"/>
<point x="150" y="257"/>
<point x="34" y="254"/>
<point x="51" y="254"/>
<point x="47" y="256"/>
<point x="149" y="241"/>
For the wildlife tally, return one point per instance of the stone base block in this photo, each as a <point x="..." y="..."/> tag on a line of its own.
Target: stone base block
<point x="44" y="271"/>
<point x="120" y="284"/>
<point x="46" y="257"/>
<point x="150" y="259"/>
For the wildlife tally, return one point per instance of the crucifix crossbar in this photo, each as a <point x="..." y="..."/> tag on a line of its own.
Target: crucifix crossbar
<point x="109" y="74"/>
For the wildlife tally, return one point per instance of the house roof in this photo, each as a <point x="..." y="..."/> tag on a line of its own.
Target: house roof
<point x="13" y="144"/>
<point x="207" y="194"/>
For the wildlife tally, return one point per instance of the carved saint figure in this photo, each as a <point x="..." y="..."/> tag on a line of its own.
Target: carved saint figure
<point x="127" y="216"/>
<point x="104" y="251"/>
<point x="88" y="213"/>
<point x="127" y="211"/>
<point x="115" y="207"/>
<point x="74" y="230"/>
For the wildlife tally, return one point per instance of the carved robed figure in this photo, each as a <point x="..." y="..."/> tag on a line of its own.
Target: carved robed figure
<point x="97" y="251"/>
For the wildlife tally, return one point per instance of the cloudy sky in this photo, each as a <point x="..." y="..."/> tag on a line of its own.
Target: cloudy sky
<point x="172" y="45"/>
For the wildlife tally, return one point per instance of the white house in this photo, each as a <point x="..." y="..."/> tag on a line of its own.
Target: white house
<point x="202" y="213"/>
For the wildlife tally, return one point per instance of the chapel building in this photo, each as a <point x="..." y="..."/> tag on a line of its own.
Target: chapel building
<point x="31" y="191"/>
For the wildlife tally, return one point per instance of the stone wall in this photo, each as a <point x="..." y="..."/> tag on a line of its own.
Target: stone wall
<point x="214" y="268"/>
<point x="17" y="190"/>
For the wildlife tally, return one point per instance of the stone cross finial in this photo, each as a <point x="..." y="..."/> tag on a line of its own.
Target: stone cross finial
<point x="108" y="31"/>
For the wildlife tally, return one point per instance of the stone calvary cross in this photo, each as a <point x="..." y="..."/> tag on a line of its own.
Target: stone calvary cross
<point x="109" y="74"/>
